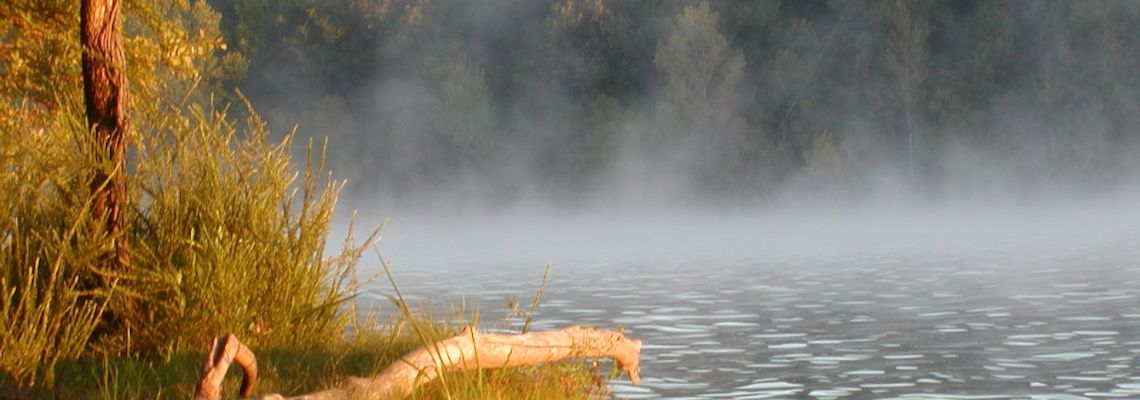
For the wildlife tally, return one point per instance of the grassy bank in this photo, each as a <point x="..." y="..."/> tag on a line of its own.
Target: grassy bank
<point x="228" y="236"/>
<point x="302" y="369"/>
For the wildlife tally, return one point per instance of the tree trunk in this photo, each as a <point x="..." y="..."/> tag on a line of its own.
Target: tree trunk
<point x="105" y="96"/>
<point x="910" y="143"/>
<point x="905" y="53"/>
<point x="468" y="350"/>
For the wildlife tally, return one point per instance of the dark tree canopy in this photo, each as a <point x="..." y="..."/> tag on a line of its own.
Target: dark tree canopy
<point x="573" y="90"/>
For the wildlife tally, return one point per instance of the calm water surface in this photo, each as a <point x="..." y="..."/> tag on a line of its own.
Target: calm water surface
<point x="985" y="324"/>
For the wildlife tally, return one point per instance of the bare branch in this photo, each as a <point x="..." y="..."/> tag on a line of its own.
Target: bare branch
<point x="469" y="349"/>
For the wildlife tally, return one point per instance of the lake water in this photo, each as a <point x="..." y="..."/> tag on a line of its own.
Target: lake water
<point x="1057" y="320"/>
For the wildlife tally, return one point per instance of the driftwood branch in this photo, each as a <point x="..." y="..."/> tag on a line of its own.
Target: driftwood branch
<point x="224" y="351"/>
<point x="469" y="349"/>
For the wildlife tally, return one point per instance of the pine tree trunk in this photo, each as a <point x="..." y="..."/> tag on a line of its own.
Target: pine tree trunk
<point x="105" y="96"/>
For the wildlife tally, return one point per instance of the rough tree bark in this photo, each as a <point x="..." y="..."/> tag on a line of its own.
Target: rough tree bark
<point x="469" y="349"/>
<point x="105" y="96"/>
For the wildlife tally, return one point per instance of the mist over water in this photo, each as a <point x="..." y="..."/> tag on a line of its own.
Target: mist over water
<point x="538" y="236"/>
<point x="782" y="198"/>
<point x="959" y="300"/>
<point x="920" y="302"/>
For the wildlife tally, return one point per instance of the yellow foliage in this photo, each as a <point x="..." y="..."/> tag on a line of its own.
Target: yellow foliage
<point x="169" y="47"/>
<point x="824" y="155"/>
<point x="573" y="12"/>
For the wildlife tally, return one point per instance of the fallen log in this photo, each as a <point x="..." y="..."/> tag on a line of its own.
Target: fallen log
<point x="470" y="349"/>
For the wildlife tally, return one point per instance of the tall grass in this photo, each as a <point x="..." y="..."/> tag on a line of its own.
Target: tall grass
<point x="46" y="242"/>
<point x="227" y="235"/>
<point x="231" y="238"/>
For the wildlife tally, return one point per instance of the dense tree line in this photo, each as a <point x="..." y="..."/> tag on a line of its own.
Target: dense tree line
<point x="738" y="97"/>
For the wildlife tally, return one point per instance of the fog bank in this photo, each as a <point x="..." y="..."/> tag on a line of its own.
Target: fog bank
<point x="709" y="128"/>
<point x="567" y="240"/>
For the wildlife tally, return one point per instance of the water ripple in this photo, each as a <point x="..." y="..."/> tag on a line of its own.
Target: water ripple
<point x="942" y="326"/>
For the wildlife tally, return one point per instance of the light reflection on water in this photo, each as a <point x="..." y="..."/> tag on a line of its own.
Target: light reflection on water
<point x="931" y="326"/>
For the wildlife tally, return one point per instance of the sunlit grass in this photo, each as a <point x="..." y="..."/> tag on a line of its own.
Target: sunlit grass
<point x="227" y="236"/>
<point x="371" y="345"/>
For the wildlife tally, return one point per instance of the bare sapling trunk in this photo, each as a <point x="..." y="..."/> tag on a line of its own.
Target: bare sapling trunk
<point x="105" y="97"/>
<point x="469" y="349"/>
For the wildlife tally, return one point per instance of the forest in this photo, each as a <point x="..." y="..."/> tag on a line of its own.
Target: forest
<point x="490" y="101"/>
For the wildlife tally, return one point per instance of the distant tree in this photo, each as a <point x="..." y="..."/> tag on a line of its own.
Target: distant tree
<point x="790" y="71"/>
<point x="977" y="64"/>
<point x="824" y="156"/>
<point x="466" y="117"/>
<point x="583" y="48"/>
<point x="1116" y="66"/>
<point x="1049" y="78"/>
<point x="703" y="77"/>
<point x="321" y="47"/>
<point x="603" y="127"/>
<point x="906" y="54"/>
<point x="750" y="24"/>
